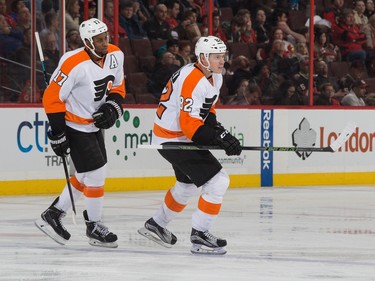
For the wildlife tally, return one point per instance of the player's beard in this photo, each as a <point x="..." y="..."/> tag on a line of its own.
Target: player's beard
<point x="102" y="54"/>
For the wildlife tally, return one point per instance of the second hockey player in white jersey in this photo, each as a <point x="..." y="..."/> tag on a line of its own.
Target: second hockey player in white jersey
<point x="186" y="113"/>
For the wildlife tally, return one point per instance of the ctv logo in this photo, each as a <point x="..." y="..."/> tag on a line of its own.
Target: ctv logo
<point x="129" y="134"/>
<point x="33" y="134"/>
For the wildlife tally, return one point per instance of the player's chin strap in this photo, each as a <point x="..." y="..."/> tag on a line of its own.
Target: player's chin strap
<point x="92" y="50"/>
<point x="208" y="66"/>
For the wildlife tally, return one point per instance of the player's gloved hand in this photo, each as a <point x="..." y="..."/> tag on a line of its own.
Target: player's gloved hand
<point x="59" y="143"/>
<point x="107" y="115"/>
<point x="225" y="140"/>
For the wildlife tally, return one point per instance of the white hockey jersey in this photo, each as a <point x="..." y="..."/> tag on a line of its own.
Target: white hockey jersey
<point x="79" y="86"/>
<point x="185" y="103"/>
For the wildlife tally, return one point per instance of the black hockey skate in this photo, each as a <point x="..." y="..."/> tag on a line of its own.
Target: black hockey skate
<point x="99" y="234"/>
<point x="158" y="234"/>
<point x="50" y="224"/>
<point x="206" y="243"/>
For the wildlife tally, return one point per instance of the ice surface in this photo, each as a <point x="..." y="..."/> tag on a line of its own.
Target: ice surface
<point x="306" y="233"/>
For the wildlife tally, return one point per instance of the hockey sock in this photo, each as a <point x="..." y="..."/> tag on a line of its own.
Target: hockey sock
<point x="94" y="197"/>
<point x="64" y="202"/>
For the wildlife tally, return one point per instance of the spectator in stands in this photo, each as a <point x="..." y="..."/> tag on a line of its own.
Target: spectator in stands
<point x="24" y="19"/>
<point x="269" y="82"/>
<point x="281" y="22"/>
<point x="51" y="54"/>
<point x="268" y="6"/>
<point x="302" y="51"/>
<point x="108" y="20"/>
<point x="323" y="49"/>
<point x="52" y="25"/>
<point x="72" y="14"/>
<point x="241" y="66"/>
<point x="369" y="31"/>
<point x="249" y="96"/>
<point x="184" y="53"/>
<point x="21" y="73"/>
<point x="248" y="34"/>
<point x="192" y="30"/>
<point x="333" y="13"/>
<point x="216" y="27"/>
<point x="326" y="96"/>
<point x="173" y="47"/>
<point x="234" y="34"/>
<point x="3" y="11"/>
<point x="288" y="94"/>
<point x="157" y="27"/>
<point x="199" y="6"/>
<point x="164" y="68"/>
<point x="73" y="40"/>
<point x="370" y="9"/>
<point x="15" y="7"/>
<point x="281" y="64"/>
<point x="22" y="56"/>
<point x="261" y="28"/>
<point x="129" y="22"/>
<point x="181" y="29"/>
<point x="349" y="38"/>
<point x="140" y="11"/>
<point x="357" y="71"/>
<point x="322" y="76"/>
<point x="236" y="92"/>
<point x="288" y="50"/>
<point x="92" y="9"/>
<point x="46" y="6"/>
<point x="370" y="99"/>
<point x="10" y="39"/>
<point x="355" y="97"/>
<point x="360" y="19"/>
<point x="301" y="80"/>
<point x="173" y="11"/>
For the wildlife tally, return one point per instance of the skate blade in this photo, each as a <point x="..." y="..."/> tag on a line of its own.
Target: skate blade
<point x="48" y="230"/>
<point x="201" y="250"/>
<point x="97" y="243"/>
<point x="150" y="235"/>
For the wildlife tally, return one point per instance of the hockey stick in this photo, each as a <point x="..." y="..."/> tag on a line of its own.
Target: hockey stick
<point x="343" y="137"/>
<point x="41" y="56"/>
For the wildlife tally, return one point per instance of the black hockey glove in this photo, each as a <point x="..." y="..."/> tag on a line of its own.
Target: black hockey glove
<point x="59" y="143"/>
<point x="107" y="114"/>
<point x="225" y="140"/>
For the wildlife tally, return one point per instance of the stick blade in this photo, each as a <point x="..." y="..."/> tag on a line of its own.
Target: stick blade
<point x="343" y="137"/>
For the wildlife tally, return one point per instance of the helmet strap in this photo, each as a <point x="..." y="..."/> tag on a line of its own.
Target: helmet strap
<point x="206" y="56"/>
<point x="92" y="49"/>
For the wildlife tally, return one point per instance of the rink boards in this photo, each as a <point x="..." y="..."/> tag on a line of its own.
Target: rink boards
<point x="29" y="166"/>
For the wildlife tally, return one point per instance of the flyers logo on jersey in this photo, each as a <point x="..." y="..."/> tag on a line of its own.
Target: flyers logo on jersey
<point x="206" y="106"/>
<point x="103" y="86"/>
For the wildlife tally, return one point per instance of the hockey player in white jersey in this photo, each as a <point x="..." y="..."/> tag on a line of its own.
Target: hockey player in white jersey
<point x="85" y="95"/>
<point x="186" y="113"/>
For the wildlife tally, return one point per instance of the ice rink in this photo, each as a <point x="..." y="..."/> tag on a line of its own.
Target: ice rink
<point x="305" y="233"/>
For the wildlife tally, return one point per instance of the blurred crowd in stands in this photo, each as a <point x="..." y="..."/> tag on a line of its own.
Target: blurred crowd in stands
<point x="267" y="40"/>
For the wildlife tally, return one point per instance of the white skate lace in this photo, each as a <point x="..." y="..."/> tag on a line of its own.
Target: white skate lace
<point x="102" y="229"/>
<point x="167" y="232"/>
<point x="210" y="236"/>
<point x="60" y="217"/>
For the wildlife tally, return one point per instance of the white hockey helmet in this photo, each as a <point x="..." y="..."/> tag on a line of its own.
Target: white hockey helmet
<point x="207" y="45"/>
<point x="90" y="28"/>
